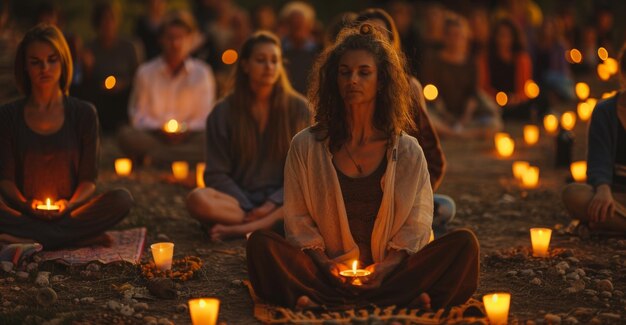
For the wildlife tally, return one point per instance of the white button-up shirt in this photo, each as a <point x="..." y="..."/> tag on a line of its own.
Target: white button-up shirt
<point x="158" y="96"/>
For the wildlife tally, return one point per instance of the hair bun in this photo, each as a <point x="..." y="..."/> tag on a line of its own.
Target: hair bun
<point x="366" y="29"/>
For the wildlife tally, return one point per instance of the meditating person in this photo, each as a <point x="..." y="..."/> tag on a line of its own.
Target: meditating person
<point x="461" y="110"/>
<point x="248" y="136"/>
<point x="601" y="203"/>
<point x="173" y="91"/>
<point x="423" y="131"/>
<point x="49" y="145"/>
<point x="357" y="189"/>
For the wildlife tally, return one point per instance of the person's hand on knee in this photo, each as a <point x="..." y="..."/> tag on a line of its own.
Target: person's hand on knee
<point x="602" y="205"/>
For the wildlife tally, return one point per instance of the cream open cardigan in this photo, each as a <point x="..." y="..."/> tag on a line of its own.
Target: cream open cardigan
<point x="315" y="214"/>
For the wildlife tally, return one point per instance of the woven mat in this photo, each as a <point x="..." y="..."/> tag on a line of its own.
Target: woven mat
<point x="271" y="314"/>
<point x="127" y="245"/>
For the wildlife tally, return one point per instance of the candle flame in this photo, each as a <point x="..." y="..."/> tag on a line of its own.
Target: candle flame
<point x="48" y="203"/>
<point x="354" y="264"/>
<point x="171" y="126"/>
<point x="494" y="298"/>
<point x="202" y="303"/>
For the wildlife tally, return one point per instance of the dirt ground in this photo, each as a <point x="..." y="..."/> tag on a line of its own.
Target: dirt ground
<point x="571" y="285"/>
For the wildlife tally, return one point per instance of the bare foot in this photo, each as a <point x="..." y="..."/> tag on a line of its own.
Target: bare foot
<point x="304" y="302"/>
<point x="221" y="232"/>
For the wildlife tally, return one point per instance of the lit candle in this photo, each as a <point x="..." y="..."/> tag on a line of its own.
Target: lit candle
<point x="568" y="120"/>
<point x="540" y="240"/>
<point x="501" y="98"/>
<point x="200" y="175"/>
<point x="579" y="170"/>
<point x="550" y="123"/>
<point x="531" y="134"/>
<point x="162" y="254"/>
<point x="48" y="206"/>
<point x="584" y="111"/>
<point x="519" y="168"/>
<point x="171" y="126"/>
<point x="505" y="146"/>
<point x="582" y="90"/>
<point x="531" y="89"/>
<point x="530" y="178"/>
<point x="430" y="92"/>
<point x="497" y="307"/>
<point x="611" y="65"/>
<point x="180" y="169"/>
<point x="110" y="82"/>
<point x="123" y="166"/>
<point x="204" y="311"/>
<point x="355" y="273"/>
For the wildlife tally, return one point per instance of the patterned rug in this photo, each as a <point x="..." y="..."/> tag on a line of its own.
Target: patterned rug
<point x="127" y="245"/>
<point x="271" y="314"/>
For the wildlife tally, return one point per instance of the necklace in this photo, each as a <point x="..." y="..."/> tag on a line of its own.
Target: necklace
<point x="358" y="167"/>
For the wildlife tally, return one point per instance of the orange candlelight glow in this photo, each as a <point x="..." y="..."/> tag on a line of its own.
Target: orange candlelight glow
<point x="505" y="146"/>
<point x="204" y="311"/>
<point x="531" y="134"/>
<point x="582" y="90"/>
<point x="123" y="166"/>
<point x="584" y="111"/>
<point x="531" y="89"/>
<point x="162" y="254"/>
<point x="200" y="175"/>
<point x="48" y="206"/>
<point x="430" y="92"/>
<point x="519" y="168"/>
<point x="497" y="307"/>
<point x="540" y="240"/>
<point x="574" y="56"/>
<point x="603" y="54"/>
<point x="110" y="82"/>
<point x="550" y="123"/>
<point x="230" y="56"/>
<point x="501" y="98"/>
<point x="568" y="120"/>
<point x="172" y="126"/>
<point x="611" y="65"/>
<point x="180" y="169"/>
<point x="530" y="178"/>
<point x="579" y="170"/>
<point x="609" y="94"/>
<point x="355" y="273"/>
<point x="603" y="72"/>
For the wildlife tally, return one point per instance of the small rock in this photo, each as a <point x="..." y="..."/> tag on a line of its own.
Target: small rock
<point x="605" y="285"/>
<point x="527" y="272"/>
<point x="595" y="321"/>
<point x="138" y="316"/>
<point x="573" y="260"/>
<point x="552" y="319"/>
<point x="88" y="300"/>
<point x="610" y="316"/>
<point x="43" y="279"/>
<point x="236" y="282"/>
<point x="606" y="294"/>
<point x="163" y="237"/>
<point x="511" y="273"/>
<point x="93" y="267"/>
<point x="113" y="305"/>
<point x="535" y="281"/>
<point x="6" y="266"/>
<point x="32" y="267"/>
<point x="56" y="278"/>
<point x="164" y="321"/>
<point x="572" y="276"/>
<point x="46" y="297"/>
<point x="580" y="272"/>
<point x="22" y="275"/>
<point x="182" y="308"/>
<point x="590" y="292"/>
<point x="571" y="320"/>
<point x="141" y="306"/>
<point x="618" y="293"/>
<point x="150" y="320"/>
<point x="15" y="288"/>
<point x="127" y="310"/>
<point x="562" y="267"/>
<point x="582" y="312"/>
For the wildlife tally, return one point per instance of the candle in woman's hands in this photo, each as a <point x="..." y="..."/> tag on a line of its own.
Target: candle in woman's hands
<point x="48" y="206"/>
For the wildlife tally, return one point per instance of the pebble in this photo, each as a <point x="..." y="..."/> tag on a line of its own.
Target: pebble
<point x="572" y="276"/>
<point x="15" y="288"/>
<point x="236" y="282"/>
<point x="582" y="312"/>
<point x="113" y="305"/>
<point x="606" y="294"/>
<point x="527" y="272"/>
<point x="46" y="297"/>
<point x="595" y="321"/>
<point x="31" y="267"/>
<point x="535" y="281"/>
<point x="88" y="300"/>
<point x="580" y="272"/>
<point x="149" y="320"/>
<point x="93" y="267"/>
<point x="571" y="320"/>
<point x="22" y="275"/>
<point x="590" y="292"/>
<point x="138" y="316"/>
<point x="127" y="310"/>
<point x="163" y="237"/>
<point x="552" y="319"/>
<point x="140" y="306"/>
<point x="43" y="279"/>
<point x="573" y="260"/>
<point x="182" y="308"/>
<point x="164" y="321"/>
<point x="511" y="273"/>
<point x="605" y="285"/>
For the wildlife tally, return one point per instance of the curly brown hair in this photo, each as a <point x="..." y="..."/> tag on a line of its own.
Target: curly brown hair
<point x="393" y="100"/>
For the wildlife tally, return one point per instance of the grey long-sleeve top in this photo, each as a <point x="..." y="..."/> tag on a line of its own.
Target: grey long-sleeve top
<point x="602" y="143"/>
<point x="252" y="182"/>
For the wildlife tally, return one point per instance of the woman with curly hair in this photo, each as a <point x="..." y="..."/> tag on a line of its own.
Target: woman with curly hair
<point x="357" y="188"/>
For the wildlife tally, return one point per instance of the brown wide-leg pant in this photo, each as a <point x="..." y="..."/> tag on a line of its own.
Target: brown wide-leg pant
<point x="91" y="219"/>
<point x="447" y="269"/>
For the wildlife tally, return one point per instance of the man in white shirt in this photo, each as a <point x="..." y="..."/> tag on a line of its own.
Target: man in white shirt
<point x="172" y="92"/>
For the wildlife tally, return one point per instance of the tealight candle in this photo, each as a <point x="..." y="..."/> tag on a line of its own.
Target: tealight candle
<point x="48" y="206"/>
<point x="584" y="110"/>
<point x="505" y="146"/>
<point x="550" y="123"/>
<point x="531" y="134"/>
<point x="180" y="169"/>
<point x="579" y="170"/>
<point x="200" y="175"/>
<point x="123" y="166"/>
<point x="204" y="311"/>
<point x="497" y="307"/>
<point x="162" y="254"/>
<point x="355" y="274"/>
<point x="540" y="240"/>
<point x="171" y="126"/>
<point x="519" y="168"/>
<point x="530" y="178"/>
<point x="568" y="120"/>
<point x="582" y="90"/>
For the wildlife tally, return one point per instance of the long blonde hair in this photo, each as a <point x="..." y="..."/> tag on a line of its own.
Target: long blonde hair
<point x="280" y="128"/>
